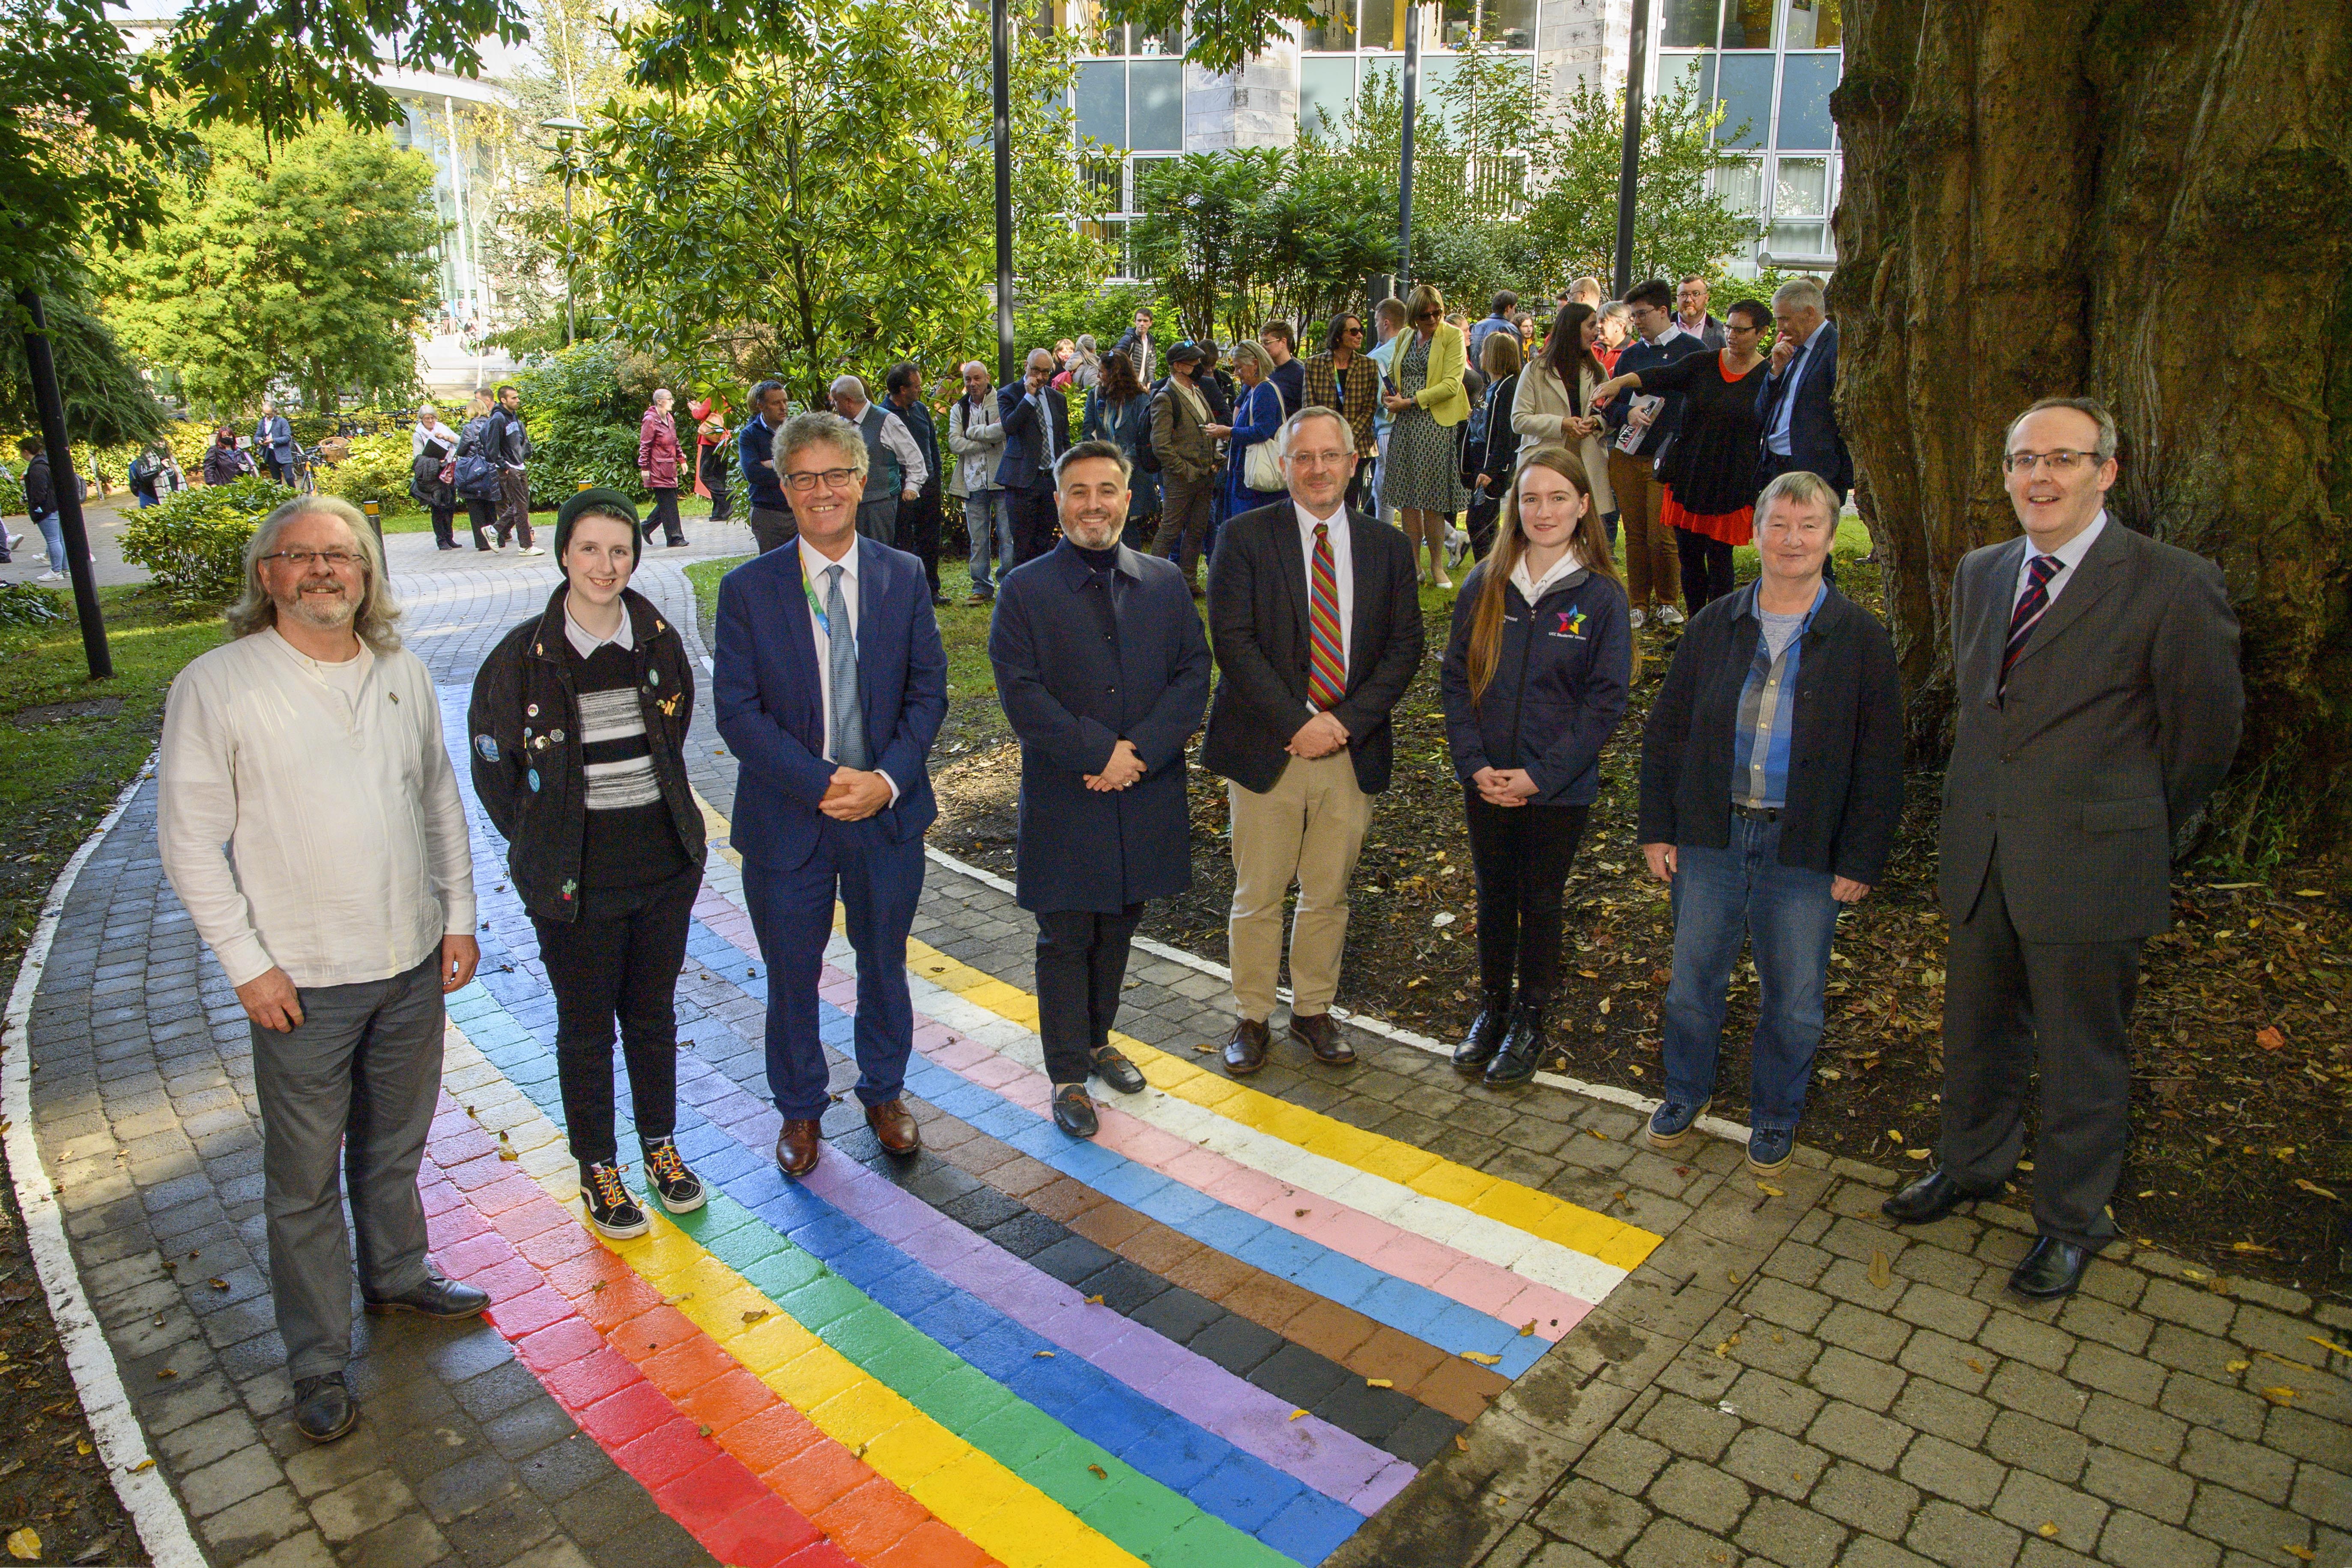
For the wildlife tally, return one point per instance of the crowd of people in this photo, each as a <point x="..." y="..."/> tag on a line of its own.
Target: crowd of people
<point x="2093" y="715"/>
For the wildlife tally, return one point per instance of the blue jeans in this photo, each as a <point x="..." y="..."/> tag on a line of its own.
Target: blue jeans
<point x="981" y="510"/>
<point x="1721" y="895"/>
<point x="53" y="533"/>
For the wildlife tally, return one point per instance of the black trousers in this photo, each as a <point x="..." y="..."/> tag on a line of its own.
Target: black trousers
<point x="1706" y="569"/>
<point x="281" y="472"/>
<point x="484" y="516"/>
<point x="773" y="528"/>
<point x="919" y="531"/>
<point x="665" y="515"/>
<point x="2009" y="1005"/>
<point x="1036" y="523"/>
<point x="445" y="527"/>
<point x="620" y="959"/>
<point x="1521" y="855"/>
<point x="719" y="479"/>
<point x="1081" y="964"/>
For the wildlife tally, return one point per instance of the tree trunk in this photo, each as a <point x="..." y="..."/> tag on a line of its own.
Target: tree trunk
<point x="2148" y="201"/>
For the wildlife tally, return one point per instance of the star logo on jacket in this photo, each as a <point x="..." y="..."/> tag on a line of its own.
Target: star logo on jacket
<point x="1572" y="624"/>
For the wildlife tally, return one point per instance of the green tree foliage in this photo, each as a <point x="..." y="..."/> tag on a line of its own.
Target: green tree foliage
<point x="582" y="419"/>
<point x="832" y="209"/>
<point x="308" y="259"/>
<point x="108" y="402"/>
<point x="194" y="543"/>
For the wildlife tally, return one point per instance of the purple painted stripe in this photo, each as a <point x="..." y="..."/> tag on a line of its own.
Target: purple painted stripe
<point x="1332" y="1460"/>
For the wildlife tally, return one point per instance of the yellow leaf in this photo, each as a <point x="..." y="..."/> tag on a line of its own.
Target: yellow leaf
<point x="2046" y="1529"/>
<point x="2312" y="1186"/>
<point x="1880" y="1272"/>
<point x="1526" y="1328"/>
<point x="2302" y="1553"/>
<point x="1893" y="1136"/>
<point x="1099" y="1473"/>
<point x="1724" y="1349"/>
<point x="24" y="1543"/>
<point x="2239" y="1365"/>
<point x="755" y="1314"/>
<point x="143" y="1467"/>
<point x="1094" y="1301"/>
<point x="1461" y="1442"/>
<point x="1295" y="1415"/>
<point x="1917" y="1154"/>
<point x="2329" y="1346"/>
<point x="2279" y="1394"/>
<point x="1380" y="1382"/>
<point x="1041" y="1355"/>
<point x="1768" y="1191"/>
<point x="1975" y="1365"/>
<point x="81" y="1445"/>
<point x="508" y="1155"/>
<point x="1481" y="1358"/>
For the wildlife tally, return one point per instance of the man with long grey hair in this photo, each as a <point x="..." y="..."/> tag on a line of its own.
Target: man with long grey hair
<point x="310" y="746"/>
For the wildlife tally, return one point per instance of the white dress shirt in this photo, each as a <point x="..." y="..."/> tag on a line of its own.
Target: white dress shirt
<point x="329" y="785"/>
<point x="1343" y="576"/>
<point x="2070" y="556"/>
<point x="814" y="564"/>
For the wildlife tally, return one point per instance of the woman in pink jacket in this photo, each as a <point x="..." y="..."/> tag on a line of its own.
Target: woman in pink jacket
<point x="657" y="465"/>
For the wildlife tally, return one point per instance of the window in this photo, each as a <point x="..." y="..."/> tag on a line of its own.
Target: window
<point x="1686" y="25"/>
<point x="1744" y="86"/>
<point x="1101" y="96"/>
<point x="1384" y="23"/>
<point x="1326" y="90"/>
<point x="1156" y="113"/>
<point x="1333" y="30"/>
<point x="1812" y="25"/>
<point x="1740" y="182"/>
<point x="1801" y="189"/>
<point x="1696" y="71"/>
<point x="1748" y="23"/>
<point x="1507" y="24"/>
<point x="1805" y="84"/>
<point x="1155" y="46"/>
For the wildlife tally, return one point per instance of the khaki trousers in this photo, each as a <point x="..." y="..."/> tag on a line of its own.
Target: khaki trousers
<point x="1653" y="573"/>
<point x="1309" y="828"/>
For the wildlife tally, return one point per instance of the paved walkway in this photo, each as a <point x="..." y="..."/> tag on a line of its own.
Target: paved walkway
<point x="1370" y="1318"/>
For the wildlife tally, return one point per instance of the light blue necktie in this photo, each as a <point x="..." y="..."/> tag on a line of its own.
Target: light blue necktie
<point x="841" y="667"/>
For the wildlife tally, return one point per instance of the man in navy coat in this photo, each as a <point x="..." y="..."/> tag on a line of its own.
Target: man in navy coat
<point x="1036" y="433"/>
<point x="273" y="439"/>
<point x="829" y="684"/>
<point x="1103" y="669"/>
<point x="1797" y="399"/>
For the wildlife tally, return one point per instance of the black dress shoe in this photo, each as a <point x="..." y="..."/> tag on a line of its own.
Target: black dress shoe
<point x="323" y="1410"/>
<point x="1930" y="1198"/>
<point x="436" y="1298"/>
<point x="1073" y="1113"/>
<point x="1321" y="1034"/>
<point x="1245" y="1051"/>
<point x="1524" y="1048"/>
<point x="2052" y="1268"/>
<point x="1113" y="1068"/>
<point x="1487" y="1030"/>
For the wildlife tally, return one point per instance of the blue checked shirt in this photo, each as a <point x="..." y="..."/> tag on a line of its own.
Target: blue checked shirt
<point x="1767" y="711"/>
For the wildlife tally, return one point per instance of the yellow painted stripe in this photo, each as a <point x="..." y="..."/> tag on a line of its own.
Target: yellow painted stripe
<point x="971" y="1492"/>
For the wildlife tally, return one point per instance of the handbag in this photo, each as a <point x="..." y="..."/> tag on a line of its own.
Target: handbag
<point x="1262" y="464"/>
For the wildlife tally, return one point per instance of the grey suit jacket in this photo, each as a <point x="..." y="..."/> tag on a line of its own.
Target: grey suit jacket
<point x="2122" y="716"/>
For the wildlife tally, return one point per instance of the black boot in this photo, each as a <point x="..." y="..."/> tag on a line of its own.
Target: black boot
<point x="1486" y="1031"/>
<point x="1524" y="1048"/>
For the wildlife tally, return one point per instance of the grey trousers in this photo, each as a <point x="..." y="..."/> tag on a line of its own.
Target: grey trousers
<point x="878" y="520"/>
<point x="2010" y="1006"/>
<point x="354" y="1087"/>
<point x="773" y="528"/>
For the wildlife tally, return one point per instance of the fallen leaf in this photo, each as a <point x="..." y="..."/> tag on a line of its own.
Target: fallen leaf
<point x="1297" y="1214"/>
<point x="1380" y="1382"/>
<point x="1526" y="1328"/>
<point x="1768" y="1191"/>
<point x="1094" y="1301"/>
<point x="2239" y="1365"/>
<point x="166" y="1373"/>
<point x="1893" y="1136"/>
<point x="508" y="1155"/>
<point x="1295" y="1414"/>
<point x="2278" y="1395"/>
<point x="24" y="1543"/>
<point x="1099" y="1473"/>
<point x="1597" y="1134"/>
<point x="1975" y="1365"/>
<point x="1461" y="1442"/>
<point x="2301" y="1554"/>
<point x="755" y="1314"/>
<point x="81" y="1445"/>
<point x="2329" y="1346"/>
<point x="1481" y="1358"/>
<point x="1734" y="1275"/>
<point x="143" y="1467"/>
<point x="2309" y="1185"/>
<point x="1880" y="1272"/>
<point x="217" y="1285"/>
<point x="1723" y="1349"/>
<point x="2046" y="1529"/>
<point x="1442" y="918"/>
<point x="702" y="1429"/>
<point x="1041" y="1355"/>
<point x="2268" y="1038"/>
<point x="1917" y="1154"/>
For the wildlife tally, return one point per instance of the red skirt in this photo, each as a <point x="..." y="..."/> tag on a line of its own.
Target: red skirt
<point x="1731" y="528"/>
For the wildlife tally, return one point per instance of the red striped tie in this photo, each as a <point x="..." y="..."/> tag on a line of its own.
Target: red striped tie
<point x="2031" y="605"/>
<point x="1326" y="669"/>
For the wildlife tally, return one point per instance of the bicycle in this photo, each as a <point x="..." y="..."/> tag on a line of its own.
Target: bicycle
<point x="300" y="477"/>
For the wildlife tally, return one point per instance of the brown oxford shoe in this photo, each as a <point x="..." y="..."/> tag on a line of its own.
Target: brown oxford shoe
<point x="895" y="1126"/>
<point x="1245" y="1051"/>
<point x="1323" y="1038"/>
<point x="797" y="1146"/>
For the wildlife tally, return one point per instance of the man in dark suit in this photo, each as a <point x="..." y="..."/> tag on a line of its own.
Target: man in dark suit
<point x="1315" y="613"/>
<point x="1797" y="399"/>
<point x="1103" y="670"/>
<point x="2098" y="707"/>
<point x="829" y="684"/>
<point x="1037" y="420"/>
<point x="273" y="438"/>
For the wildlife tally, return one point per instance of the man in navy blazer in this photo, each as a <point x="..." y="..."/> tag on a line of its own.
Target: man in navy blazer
<point x="829" y="684"/>
<point x="273" y="438"/>
<point x="1797" y="399"/>
<point x="1103" y="670"/>
<point x="1036" y="433"/>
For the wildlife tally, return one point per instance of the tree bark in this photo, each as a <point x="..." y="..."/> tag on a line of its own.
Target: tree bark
<point x="2148" y="201"/>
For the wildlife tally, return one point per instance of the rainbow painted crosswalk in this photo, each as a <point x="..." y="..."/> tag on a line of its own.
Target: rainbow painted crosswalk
<point x="1222" y="1335"/>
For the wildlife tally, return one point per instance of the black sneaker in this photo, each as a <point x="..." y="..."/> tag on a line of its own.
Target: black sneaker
<point x="679" y="1190"/>
<point x="610" y="1210"/>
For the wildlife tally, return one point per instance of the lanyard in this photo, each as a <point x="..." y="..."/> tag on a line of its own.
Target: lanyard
<point x="817" y="610"/>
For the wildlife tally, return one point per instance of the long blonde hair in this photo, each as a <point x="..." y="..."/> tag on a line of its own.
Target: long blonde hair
<point x="376" y="623"/>
<point x="1590" y="543"/>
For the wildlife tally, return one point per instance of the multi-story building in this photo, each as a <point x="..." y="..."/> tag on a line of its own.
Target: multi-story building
<point x="1769" y="63"/>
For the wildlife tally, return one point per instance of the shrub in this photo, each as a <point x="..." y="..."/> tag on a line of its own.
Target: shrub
<point x="28" y="604"/>
<point x="193" y="545"/>
<point x="583" y="425"/>
<point x="377" y="469"/>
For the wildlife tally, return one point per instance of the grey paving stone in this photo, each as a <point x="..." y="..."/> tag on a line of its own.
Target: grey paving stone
<point x="2134" y="1541"/>
<point x="1863" y="1498"/>
<point x="1594" y="1516"/>
<point x="1776" y="1462"/>
<point x="1671" y="1544"/>
<point x="1776" y="1402"/>
<point x="1859" y="1435"/>
<point x="353" y="1510"/>
<point x="1843" y="1374"/>
<point x="2020" y="1338"/>
<point x="1958" y="1538"/>
<point x="2236" y="1520"/>
<point x="1964" y="1366"/>
<point x="1700" y="1494"/>
<point x="1624" y="1462"/>
<point x="2324" y="1495"/>
<point x="2230" y="1411"/>
<point x="2034" y="1504"/>
<point x="2016" y="1386"/>
<point x="1689" y="1428"/>
<point x="1871" y="1553"/>
<point x="1933" y="1465"/>
<point x="2202" y="1310"/>
<point x="2248" y="1467"/>
<point x="1934" y="1407"/>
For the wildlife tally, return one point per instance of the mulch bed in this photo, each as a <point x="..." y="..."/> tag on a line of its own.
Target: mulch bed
<point x="2241" y="1153"/>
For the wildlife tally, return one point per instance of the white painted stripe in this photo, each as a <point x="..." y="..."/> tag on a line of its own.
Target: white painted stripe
<point x="146" y="1495"/>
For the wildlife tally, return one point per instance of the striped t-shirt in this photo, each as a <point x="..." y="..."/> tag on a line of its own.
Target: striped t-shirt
<point x="630" y="839"/>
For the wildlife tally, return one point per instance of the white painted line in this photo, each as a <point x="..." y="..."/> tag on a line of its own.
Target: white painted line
<point x="146" y="1495"/>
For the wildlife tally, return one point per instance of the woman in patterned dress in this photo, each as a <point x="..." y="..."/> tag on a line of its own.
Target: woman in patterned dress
<point x="1423" y="479"/>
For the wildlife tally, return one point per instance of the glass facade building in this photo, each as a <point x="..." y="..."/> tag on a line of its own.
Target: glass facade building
<point x="1771" y="64"/>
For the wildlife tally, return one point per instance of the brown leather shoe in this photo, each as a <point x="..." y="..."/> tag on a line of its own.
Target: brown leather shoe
<point x="1245" y="1053"/>
<point x="1324" y="1039"/>
<point x="893" y="1125"/>
<point x="797" y="1146"/>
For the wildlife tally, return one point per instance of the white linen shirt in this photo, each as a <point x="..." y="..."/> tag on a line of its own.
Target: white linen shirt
<point x="2070" y="556"/>
<point x="347" y="856"/>
<point x="814" y="566"/>
<point x="1343" y="577"/>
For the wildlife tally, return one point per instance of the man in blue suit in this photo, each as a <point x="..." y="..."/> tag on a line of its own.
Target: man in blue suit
<point x="1798" y="399"/>
<point x="829" y="684"/>
<point x="1036" y="421"/>
<point x="273" y="438"/>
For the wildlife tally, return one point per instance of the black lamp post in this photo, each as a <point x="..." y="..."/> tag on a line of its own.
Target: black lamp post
<point x="1630" y="172"/>
<point x="49" y="406"/>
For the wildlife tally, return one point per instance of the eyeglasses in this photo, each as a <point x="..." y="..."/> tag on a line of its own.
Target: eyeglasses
<point x="2061" y="461"/>
<point x="301" y="559"/>
<point x="805" y="480"/>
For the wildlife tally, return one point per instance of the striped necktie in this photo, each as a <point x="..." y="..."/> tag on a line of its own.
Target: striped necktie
<point x="1326" y="667"/>
<point x="2030" y="606"/>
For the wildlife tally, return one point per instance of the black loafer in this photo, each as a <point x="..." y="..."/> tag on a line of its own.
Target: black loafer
<point x="1116" y="1071"/>
<point x="1931" y="1198"/>
<point x="1073" y="1113"/>
<point x="2052" y="1268"/>
<point x="323" y="1410"/>
<point x="436" y="1298"/>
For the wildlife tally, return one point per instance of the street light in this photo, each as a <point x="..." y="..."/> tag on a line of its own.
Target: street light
<point x="565" y="129"/>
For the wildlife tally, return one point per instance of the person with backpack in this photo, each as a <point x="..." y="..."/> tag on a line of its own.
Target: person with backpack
<point x="475" y="473"/>
<point x="1119" y="411"/>
<point x="433" y="452"/>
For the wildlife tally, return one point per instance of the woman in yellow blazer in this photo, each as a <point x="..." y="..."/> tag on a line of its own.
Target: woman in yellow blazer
<point x="1423" y="473"/>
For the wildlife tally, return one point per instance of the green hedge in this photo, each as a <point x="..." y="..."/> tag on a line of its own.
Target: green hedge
<point x="28" y="604"/>
<point x="377" y="469"/>
<point x="193" y="544"/>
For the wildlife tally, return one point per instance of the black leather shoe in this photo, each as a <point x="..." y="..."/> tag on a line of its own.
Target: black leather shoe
<point x="1114" y="1068"/>
<point x="2052" y="1268"/>
<point x="1524" y="1048"/>
<point x="1245" y="1051"/>
<point x="1931" y="1198"/>
<point x="1486" y="1031"/>
<point x="436" y="1298"/>
<point x="323" y="1410"/>
<point x="1073" y="1113"/>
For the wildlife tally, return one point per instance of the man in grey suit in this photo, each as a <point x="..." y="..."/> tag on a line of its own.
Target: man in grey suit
<point x="2099" y="704"/>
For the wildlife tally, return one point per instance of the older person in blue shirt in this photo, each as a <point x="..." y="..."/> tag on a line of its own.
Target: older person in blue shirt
<point x="1771" y="784"/>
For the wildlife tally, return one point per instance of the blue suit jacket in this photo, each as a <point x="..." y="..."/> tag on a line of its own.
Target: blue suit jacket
<point x="275" y="437"/>
<point x="770" y="706"/>
<point x="1815" y="443"/>
<point x="1018" y="470"/>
